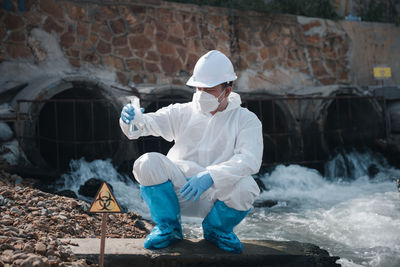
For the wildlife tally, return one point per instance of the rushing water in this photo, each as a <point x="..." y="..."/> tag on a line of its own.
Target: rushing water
<point x="347" y="213"/>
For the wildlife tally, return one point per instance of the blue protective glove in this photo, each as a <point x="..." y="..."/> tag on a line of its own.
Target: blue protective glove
<point x="128" y="113"/>
<point x="196" y="185"/>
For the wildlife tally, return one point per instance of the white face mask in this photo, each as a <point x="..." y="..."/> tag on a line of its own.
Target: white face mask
<point x="207" y="102"/>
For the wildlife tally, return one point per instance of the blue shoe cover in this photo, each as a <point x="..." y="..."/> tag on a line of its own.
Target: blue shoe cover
<point x="165" y="212"/>
<point x="162" y="236"/>
<point x="218" y="227"/>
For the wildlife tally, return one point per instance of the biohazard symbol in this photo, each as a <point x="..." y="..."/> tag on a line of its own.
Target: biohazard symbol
<point x="104" y="201"/>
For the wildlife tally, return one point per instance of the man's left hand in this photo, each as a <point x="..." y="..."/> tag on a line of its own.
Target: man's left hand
<point x="196" y="185"/>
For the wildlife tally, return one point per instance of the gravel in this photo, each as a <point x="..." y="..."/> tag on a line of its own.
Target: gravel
<point x="32" y="223"/>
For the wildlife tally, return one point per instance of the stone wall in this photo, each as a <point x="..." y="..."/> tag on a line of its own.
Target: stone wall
<point x="156" y="42"/>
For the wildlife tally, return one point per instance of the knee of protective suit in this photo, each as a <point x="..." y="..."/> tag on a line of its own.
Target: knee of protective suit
<point x="147" y="169"/>
<point x="242" y="196"/>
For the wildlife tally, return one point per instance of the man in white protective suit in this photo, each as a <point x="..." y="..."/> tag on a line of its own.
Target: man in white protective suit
<point x="218" y="146"/>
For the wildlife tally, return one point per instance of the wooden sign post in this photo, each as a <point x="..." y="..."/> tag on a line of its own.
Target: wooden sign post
<point x="104" y="202"/>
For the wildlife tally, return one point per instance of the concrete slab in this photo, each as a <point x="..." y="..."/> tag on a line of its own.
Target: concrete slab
<point x="193" y="252"/>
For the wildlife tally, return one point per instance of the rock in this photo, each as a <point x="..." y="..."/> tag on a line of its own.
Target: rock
<point x="46" y="212"/>
<point x="13" y="22"/>
<point x="7" y="193"/>
<point x="7" y="217"/>
<point x="90" y="188"/>
<point x="398" y="184"/>
<point x="19" y="246"/>
<point x="170" y="64"/>
<point x="67" y="40"/>
<point x="41" y="204"/>
<point x="6" y="221"/>
<point x="140" y="42"/>
<point x="103" y="48"/>
<point x="28" y="248"/>
<point x="139" y="224"/>
<point x="40" y="248"/>
<point x="9" y="203"/>
<point x="6" y="247"/>
<point x="85" y="207"/>
<point x="5" y="132"/>
<point x="134" y="64"/>
<point x="73" y="204"/>
<point x="32" y="260"/>
<point x="260" y="184"/>
<point x="15" y="210"/>
<point x="115" y="62"/>
<point x="373" y="170"/>
<point x="7" y="255"/>
<point x="67" y="193"/>
<point x="265" y="203"/>
<point x="19" y="256"/>
<point x="61" y="217"/>
<point x="118" y="26"/>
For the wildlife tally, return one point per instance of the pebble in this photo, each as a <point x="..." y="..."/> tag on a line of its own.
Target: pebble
<point x="40" y="248"/>
<point x="19" y="256"/>
<point x="61" y="217"/>
<point x="6" y="221"/>
<point x="15" y="210"/>
<point x="41" y="204"/>
<point x="28" y="248"/>
<point x="46" y="212"/>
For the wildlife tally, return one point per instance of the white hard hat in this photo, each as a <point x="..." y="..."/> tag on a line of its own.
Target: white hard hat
<point x="212" y="69"/>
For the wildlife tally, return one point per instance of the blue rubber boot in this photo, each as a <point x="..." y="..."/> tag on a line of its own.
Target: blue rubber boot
<point x="165" y="212"/>
<point x="218" y="227"/>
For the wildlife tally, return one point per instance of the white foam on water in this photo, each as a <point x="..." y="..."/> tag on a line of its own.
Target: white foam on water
<point x="357" y="219"/>
<point x="126" y="191"/>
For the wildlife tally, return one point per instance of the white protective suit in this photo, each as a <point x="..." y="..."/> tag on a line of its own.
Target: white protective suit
<point x="228" y="144"/>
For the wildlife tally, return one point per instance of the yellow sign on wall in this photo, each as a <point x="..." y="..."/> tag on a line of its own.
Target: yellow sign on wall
<point x="382" y="72"/>
<point x="104" y="201"/>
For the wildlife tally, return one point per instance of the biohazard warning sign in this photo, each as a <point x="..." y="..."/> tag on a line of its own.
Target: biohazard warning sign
<point x="104" y="201"/>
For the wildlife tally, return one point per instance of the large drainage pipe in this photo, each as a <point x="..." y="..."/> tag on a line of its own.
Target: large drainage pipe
<point x="343" y="117"/>
<point x="69" y="118"/>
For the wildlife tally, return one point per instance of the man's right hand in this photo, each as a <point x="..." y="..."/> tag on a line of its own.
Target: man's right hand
<point x="128" y="113"/>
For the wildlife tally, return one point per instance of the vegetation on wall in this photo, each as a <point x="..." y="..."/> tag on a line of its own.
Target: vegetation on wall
<point x="370" y="10"/>
<point x="311" y="8"/>
<point x="380" y="11"/>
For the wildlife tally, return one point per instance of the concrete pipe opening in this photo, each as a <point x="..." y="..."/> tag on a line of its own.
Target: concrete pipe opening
<point x="353" y="121"/>
<point x="70" y="119"/>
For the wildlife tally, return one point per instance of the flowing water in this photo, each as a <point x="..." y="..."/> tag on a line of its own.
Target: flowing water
<point x="347" y="213"/>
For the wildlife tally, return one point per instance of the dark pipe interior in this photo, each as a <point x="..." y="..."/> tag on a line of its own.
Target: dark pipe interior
<point x="313" y="150"/>
<point x="352" y="123"/>
<point x="278" y="138"/>
<point x="72" y="130"/>
<point x="158" y="144"/>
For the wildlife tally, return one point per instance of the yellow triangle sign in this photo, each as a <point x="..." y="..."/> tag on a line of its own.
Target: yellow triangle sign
<point x="104" y="201"/>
